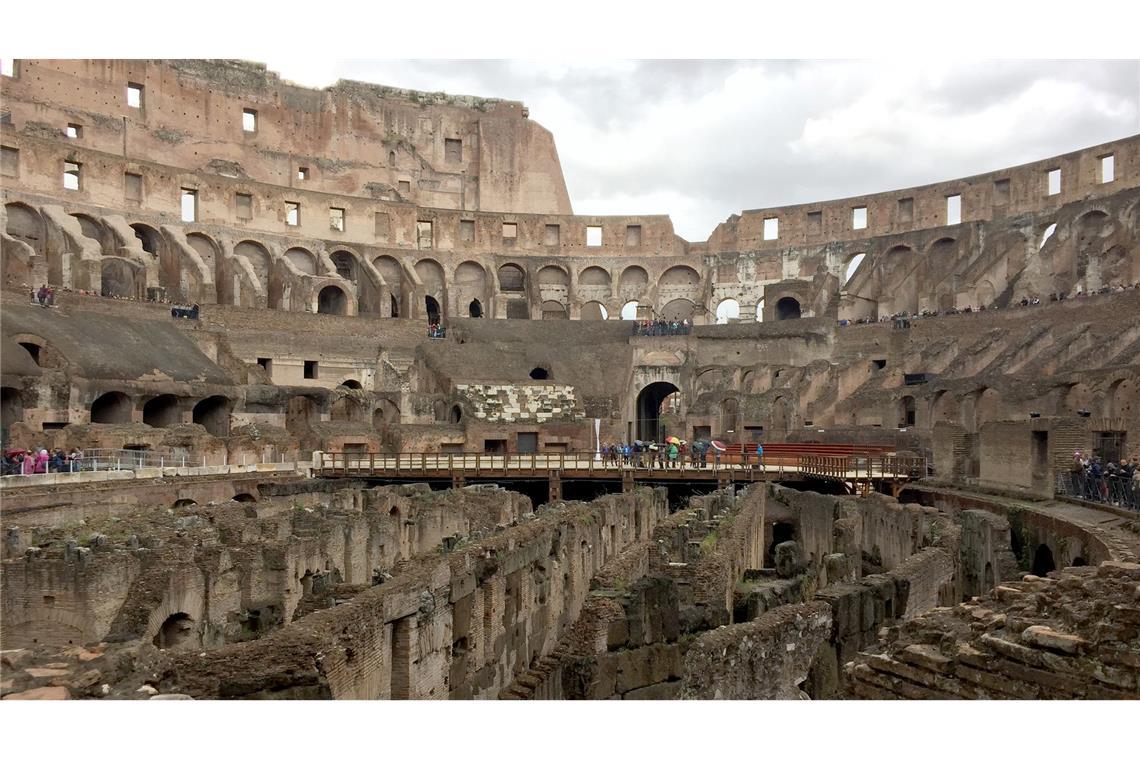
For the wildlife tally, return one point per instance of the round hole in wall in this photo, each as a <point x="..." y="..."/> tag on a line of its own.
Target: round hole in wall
<point x="540" y="373"/>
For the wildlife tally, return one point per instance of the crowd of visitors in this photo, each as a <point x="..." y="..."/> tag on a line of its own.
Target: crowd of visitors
<point x="902" y="318"/>
<point x="1106" y="482"/>
<point x="38" y="461"/>
<point x="436" y="331"/>
<point x="657" y="327"/>
<point x="44" y="296"/>
<point x="671" y="453"/>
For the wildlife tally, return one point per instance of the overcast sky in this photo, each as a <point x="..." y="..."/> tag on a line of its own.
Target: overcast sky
<point x="701" y="140"/>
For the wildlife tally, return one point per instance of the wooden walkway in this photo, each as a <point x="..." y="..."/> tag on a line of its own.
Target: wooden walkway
<point x="857" y="472"/>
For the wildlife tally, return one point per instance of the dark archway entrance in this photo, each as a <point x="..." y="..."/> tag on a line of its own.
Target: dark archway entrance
<point x="213" y="413"/>
<point x="332" y="300"/>
<point x="475" y="309"/>
<point x="112" y="408"/>
<point x="787" y="308"/>
<point x="432" y="307"/>
<point x="177" y="632"/>
<point x="161" y="411"/>
<point x="1043" y="563"/>
<point x="649" y="402"/>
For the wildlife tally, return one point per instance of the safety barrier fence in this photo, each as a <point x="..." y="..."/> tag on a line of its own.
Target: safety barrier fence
<point x="1103" y="489"/>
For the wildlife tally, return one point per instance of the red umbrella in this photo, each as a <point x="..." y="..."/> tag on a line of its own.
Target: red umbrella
<point x="719" y="446"/>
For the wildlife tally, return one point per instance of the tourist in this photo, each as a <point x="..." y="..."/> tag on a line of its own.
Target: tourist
<point x="74" y="460"/>
<point x="759" y="455"/>
<point x="674" y="452"/>
<point x="41" y="462"/>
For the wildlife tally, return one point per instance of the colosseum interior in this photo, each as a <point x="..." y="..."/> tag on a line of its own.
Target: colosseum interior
<point x="340" y="365"/>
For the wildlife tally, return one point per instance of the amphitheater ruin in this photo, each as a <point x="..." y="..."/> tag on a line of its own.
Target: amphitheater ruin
<point x="339" y="366"/>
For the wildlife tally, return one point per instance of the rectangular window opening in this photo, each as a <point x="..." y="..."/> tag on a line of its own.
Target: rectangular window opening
<point x="906" y="209"/>
<point x="553" y="235"/>
<point x="310" y="370"/>
<point x="859" y="218"/>
<point x="244" y="205"/>
<point x="953" y="209"/>
<point x="302" y="173"/>
<point x="815" y="221"/>
<point x="71" y="175"/>
<point x="1053" y="182"/>
<point x="189" y="205"/>
<point x="10" y="163"/>
<point x="452" y="150"/>
<point x="633" y="236"/>
<point x="248" y="120"/>
<point x="74" y="131"/>
<point x="292" y="213"/>
<point x="879" y="363"/>
<point x="1001" y="191"/>
<point x="8" y="67"/>
<point x="423" y="235"/>
<point x="134" y="95"/>
<point x="771" y="228"/>
<point x="336" y="219"/>
<point x="1107" y="168"/>
<point x="467" y="230"/>
<point x="593" y="236"/>
<point x="510" y="231"/>
<point x="266" y="364"/>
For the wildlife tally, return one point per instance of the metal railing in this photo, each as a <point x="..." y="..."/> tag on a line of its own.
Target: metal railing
<point x="104" y="460"/>
<point x="588" y="463"/>
<point x="1103" y="489"/>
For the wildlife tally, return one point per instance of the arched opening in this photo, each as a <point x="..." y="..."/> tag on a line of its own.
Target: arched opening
<point x="629" y="311"/>
<point x="728" y="309"/>
<point x="431" y="306"/>
<point x="518" y="309"/>
<point x="245" y="498"/>
<point x="679" y="309"/>
<point x="456" y="414"/>
<point x="988" y="577"/>
<point x="177" y="632"/>
<point x="347" y="409"/>
<point x="512" y="279"/>
<point x="906" y="411"/>
<point x="593" y="311"/>
<point x="161" y="411"/>
<point x="352" y="385"/>
<point x="25" y="225"/>
<point x="213" y="413"/>
<point x="332" y="300"/>
<point x="345" y="264"/>
<point x="987" y="407"/>
<point x="33" y="351"/>
<point x="386" y="413"/>
<point x="553" y="310"/>
<point x="1043" y="561"/>
<point x="148" y="237"/>
<point x="117" y="279"/>
<point x="760" y="311"/>
<point x="184" y="503"/>
<point x="540" y="373"/>
<point x="393" y="275"/>
<point x="112" y="408"/>
<point x="440" y="410"/>
<point x="729" y="411"/>
<point x="853" y="267"/>
<point x="302" y="259"/>
<point x="649" y="402"/>
<point x="1080" y="562"/>
<point x="91" y="228"/>
<point x="787" y="308"/>
<point x="475" y="309"/>
<point x="258" y="258"/>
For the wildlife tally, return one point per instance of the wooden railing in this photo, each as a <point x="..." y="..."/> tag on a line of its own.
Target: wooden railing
<point x="588" y="464"/>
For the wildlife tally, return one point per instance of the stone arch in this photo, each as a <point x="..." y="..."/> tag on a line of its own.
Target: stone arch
<point x="944" y="408"/>
<point x="178" y="631"/>
<point x="386" y="413"/>
<point x="1078" y="396"/>
<point x="554" y="310"/>
<point x="787" y="308"/>
<point x="393" y="275"/>
<point x="162" y="411"/>
<point x="649" y="400"/>
<point x="351" y="384"/>
<point x="629" y="310"/>
<point x="347" y="266"/>
<point x="679" y="308"/>
<point x="332" y="300"/>
<point x="347" y="409"/>
<point x="760" y="310"/>
<point x="984" y="294"/>
<point x="258" y="257"/>
<point x="26" y="225"/>
<point x="92" y="228"/>
<point x="112" y="408"/>
<point x="729" y="414"/>
<point x="907" y="412"/>
<point x="149" y="238"/>
<point x="117" y="278"/>
<point x="595" y="277"/>
<point x="553" y="275"/>
<point x="680" y="275"/>
<point x="213" y="413"/>
<point x="726" y="310"/>
<point x="303" y="259"/>
<point x="430" y="273"/>
<point x="633" y="282"/>
<point x="512" y="278"/>
<point x="1121" y="399"/>
<point x="440" y="410"/>
<point x="781" y="417"/>
<point x="987" y="407"/>
<point x="206" y="248"/>
<point x="852" y="266"/>
<point x="432" y="310"/>
<point x="1043" y="562"/>
<point x="475" y="308"/>
<point x="456" y="414"/>
<point x="593" y="311"/>
<point x="898" y="287"/>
